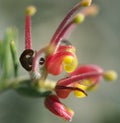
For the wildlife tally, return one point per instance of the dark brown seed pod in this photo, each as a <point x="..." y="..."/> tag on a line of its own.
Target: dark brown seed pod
<point x="26" y="59"/>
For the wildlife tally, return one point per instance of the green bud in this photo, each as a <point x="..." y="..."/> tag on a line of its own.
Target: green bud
<point x="7" y="55"/>
<point x="7" y="61"/>
<point x="14" y="57"/>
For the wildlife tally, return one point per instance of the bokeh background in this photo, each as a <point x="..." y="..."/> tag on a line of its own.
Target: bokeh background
<point x="97" y="41"/>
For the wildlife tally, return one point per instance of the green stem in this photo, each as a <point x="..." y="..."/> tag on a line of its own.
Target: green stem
<point x="7" y="84"/>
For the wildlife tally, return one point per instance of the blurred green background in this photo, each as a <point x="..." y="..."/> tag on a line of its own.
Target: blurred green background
<point x="97" y="41"/>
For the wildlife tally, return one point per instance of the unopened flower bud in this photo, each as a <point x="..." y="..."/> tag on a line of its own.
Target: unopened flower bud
<point x="56" y="107"/>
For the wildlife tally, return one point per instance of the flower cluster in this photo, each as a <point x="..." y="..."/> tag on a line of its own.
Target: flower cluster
<point x="60" y="55"/>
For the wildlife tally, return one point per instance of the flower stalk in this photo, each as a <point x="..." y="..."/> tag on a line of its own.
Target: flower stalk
<point x="31" y="10"/>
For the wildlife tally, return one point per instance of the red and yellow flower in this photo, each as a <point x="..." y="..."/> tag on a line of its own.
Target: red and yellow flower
<point x="60" y="55"/>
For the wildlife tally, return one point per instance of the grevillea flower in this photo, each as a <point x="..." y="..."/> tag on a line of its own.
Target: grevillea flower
<point x="64" y="56"/>
<point x="60" y="55"/>
<point x="82" y="79"/>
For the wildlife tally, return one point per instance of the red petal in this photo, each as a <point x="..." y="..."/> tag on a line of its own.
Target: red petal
<point x="64" y="91"/>
<point x="88" y="69"/>
<point x="65" y="48"/>
<point x="54" y="62"/>
<point x="56" y="107"/>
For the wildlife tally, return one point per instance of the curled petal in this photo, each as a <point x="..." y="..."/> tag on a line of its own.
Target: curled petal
<point x="88" y="77"/>
<point x="77" y="83"/>
<point x="64" y="91"/>
<point x="56" y="107"/>
<point x="54" y="62"/>
<point x="86" y="68"/>
<point x="76" y="78"/>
